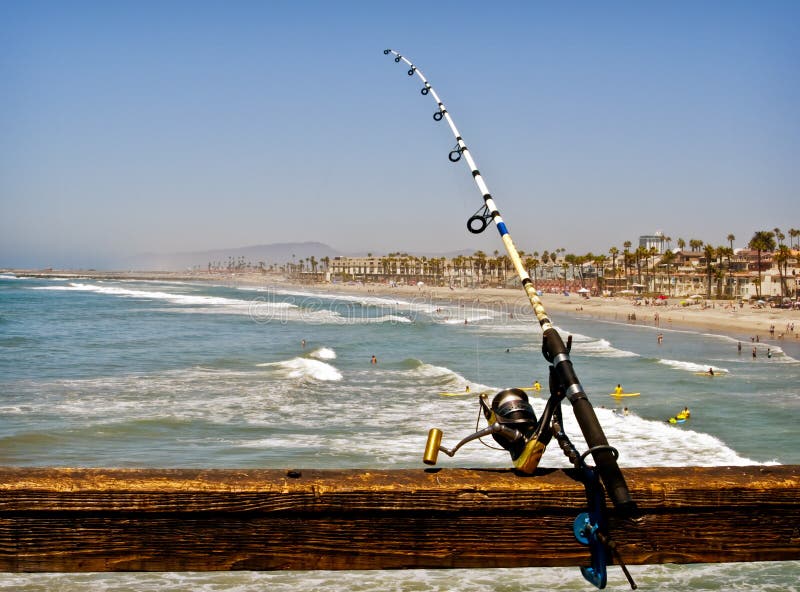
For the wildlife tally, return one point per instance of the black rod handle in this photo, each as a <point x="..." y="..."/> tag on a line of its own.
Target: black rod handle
<point x="605" y="459"/>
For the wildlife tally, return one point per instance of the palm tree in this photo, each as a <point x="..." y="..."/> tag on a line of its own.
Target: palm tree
<point x="762" y="240"/>
<point x="710" y="254"/>
<point x="681" y="244"/>
<point x="782" y="260"/>
<point x="726" y="252"/>
<point x="640" y="253"/>
<point x="626" y="259"/>
<point x="534" y="263"/>
<point x="652" y="253"/>
<point x="695" y="244"/>
<point x="730" y="238"/>
<point x="779" y="235"/>
<point x="668" y="259"/>
<point x="600" y="262"/>
<point x="793" y="233"/>
<point x="614" y="251"/>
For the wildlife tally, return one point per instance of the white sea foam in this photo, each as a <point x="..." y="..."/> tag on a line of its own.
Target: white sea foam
<point x="175" y="298"/>
<point x="647" y="443"/>
<point x="421" y="305"/>
<point x="383" y="319"/>
<point x="691" y="366"/>
<point x="601" y="348"/>
<point x="323" y="353"/>
<point x="305" y="368"/>
<point x="469" y="318"/>
<point x="746" y="577"/>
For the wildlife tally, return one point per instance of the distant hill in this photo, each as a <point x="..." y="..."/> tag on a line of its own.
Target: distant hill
<point x="278" y="253"/>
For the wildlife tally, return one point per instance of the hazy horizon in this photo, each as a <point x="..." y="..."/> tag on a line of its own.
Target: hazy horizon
<point x="130" y="128"/>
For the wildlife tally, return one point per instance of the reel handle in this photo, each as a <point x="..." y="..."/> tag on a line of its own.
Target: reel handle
<point x="432" y="446"/>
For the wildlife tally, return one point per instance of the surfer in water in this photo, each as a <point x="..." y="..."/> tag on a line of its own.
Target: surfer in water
<point x="618" y="390"/>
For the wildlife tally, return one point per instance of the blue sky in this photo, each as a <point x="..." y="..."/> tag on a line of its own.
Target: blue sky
<point x="130" y="127"/>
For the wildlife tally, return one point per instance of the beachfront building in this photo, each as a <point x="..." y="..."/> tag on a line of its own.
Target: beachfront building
<point x="710" y="273"/>
<point x="655" y="241"/>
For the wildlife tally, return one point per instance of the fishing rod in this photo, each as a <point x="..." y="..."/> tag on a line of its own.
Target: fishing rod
<point x="512" y="422"/>
<point x="553" y="347"/>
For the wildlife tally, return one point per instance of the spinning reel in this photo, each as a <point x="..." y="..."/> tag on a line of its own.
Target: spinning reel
<point x="512" y="424"/>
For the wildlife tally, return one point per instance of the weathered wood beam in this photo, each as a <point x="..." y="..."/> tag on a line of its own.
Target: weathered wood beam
<point x="68" y="520"/>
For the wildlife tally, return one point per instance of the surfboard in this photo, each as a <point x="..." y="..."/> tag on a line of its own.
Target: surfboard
<point x="711" y="375"/>
<point x="676" y="420"/>
<point x="463" y="393"/>
<point x="527" y="388"/>
<point x="624" y="394"/>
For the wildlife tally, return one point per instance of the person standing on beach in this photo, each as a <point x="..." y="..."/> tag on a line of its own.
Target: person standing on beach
<point x="754" y="353"/>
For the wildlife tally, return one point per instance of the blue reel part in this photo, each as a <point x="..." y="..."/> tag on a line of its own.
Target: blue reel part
<point x="586" y="534"/>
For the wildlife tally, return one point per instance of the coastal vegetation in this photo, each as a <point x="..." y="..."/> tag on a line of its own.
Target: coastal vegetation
<point x="715" y="271"/>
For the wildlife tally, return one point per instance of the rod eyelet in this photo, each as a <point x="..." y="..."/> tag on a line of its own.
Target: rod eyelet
<point x="476" y="224"/>
<point x="386" y="51"/>
<point x="438" y="116"/>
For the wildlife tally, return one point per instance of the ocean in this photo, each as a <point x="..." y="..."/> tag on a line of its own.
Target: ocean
<point x="179" y="374"/>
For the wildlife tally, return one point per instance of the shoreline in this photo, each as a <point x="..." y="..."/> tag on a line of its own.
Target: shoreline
<point x="745" y="324"/>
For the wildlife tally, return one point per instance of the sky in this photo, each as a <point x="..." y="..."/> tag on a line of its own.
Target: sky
<point x="169" y="126"/>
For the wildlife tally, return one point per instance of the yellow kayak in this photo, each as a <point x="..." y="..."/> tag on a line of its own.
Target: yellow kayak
<point x="624" y="394"/>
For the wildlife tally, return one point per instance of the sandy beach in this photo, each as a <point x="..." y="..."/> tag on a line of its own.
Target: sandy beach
<point x="744" y="322"/>
<point x="718" y="316"/>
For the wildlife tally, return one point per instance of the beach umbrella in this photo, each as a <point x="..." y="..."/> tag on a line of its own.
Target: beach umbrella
<point x="695" y="297"/>
<point x="662" y="297"/>
<point x="583" y="291"/>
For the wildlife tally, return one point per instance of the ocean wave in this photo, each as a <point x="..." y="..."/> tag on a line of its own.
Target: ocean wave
<point x="323" y="353"/>
<point x="647" y="443"/>
<point x="175" y="298"/>
<point x="466" y="319"/>
<point x="600" y="348"/>
<point x="382" y="319"/>
<point x="422" y="305"/>
<point x="746" y="577"/>
<point x="430" y="375"/>
<point x="305" y="368"/>
<point x="691" y="366"/>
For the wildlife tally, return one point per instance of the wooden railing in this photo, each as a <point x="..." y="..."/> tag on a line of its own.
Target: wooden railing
<point x="69" y="520"/>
